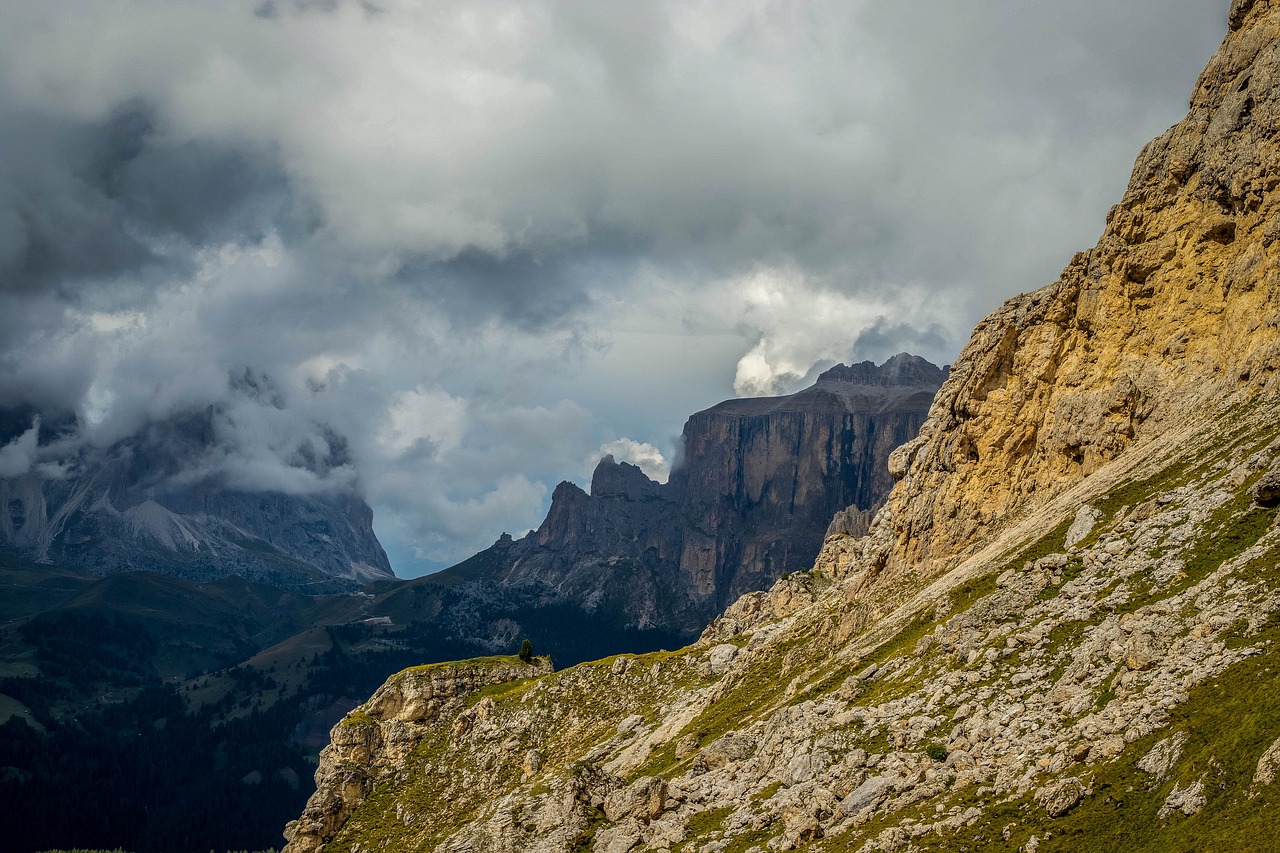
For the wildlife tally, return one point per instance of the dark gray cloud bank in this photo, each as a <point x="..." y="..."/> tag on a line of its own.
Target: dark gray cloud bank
<point x="477" y="243"/>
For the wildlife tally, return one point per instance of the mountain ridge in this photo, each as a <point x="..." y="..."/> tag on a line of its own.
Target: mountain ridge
<point x="751" y="497"/>
<point x="135" y="505"/>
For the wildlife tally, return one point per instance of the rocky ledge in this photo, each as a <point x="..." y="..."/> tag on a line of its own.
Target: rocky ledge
<point x="369" y="744"/>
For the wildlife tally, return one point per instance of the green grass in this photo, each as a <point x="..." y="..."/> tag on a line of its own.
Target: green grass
<point x="1230" y="721"/>
<point x="1232" y="529"/>
<point x="768" y="791"/>
<point x="491" y="660"/>
<point x="1050" y="543"/>
<point x="358" y="718"/>
<point x="754" y="694"/>
<point x="1135" y="492"/>
<point x="659" y="762"/>
<point x="1072" y="570"/>
<point x="700" y="826"/>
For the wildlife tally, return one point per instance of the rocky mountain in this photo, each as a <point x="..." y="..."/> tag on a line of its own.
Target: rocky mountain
<point x="134" y="506"/>
<point x="752" y="497"/>
<point x="247" y="626"/>
<point x="1060" y="632"/>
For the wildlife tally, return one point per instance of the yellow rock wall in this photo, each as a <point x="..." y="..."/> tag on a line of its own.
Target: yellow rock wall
<point x="1178" y="303"/>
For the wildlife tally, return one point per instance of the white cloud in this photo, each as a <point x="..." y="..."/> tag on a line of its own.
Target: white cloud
<point x="18" y="456"/>
<point x="641" y="454"/>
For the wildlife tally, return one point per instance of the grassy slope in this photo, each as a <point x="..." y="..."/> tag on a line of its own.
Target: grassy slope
<point x="1231" y="719"/>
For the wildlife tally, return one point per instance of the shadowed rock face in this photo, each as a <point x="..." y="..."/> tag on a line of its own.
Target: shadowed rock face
<point x="759" y="483"/>
<point x="763" y="477"/>
<point x="127" y="508"/>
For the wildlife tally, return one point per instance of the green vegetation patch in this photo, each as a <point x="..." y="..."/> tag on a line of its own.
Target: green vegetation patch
<point x="489" y="661"/>
<point x="503" y="689"/>
<point x="358" y="718"/>
<point x="1135" y="492"/>
<point x="702" y="825"/>
<point x="1232" y="529"/>
<point x="1229" y="722"/>
<point x="753" y="695"/>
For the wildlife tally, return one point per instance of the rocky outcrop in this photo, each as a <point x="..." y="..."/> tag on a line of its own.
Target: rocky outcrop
<point x="762" y="477"/>
<point x="1014" y="700"/>
<point x="134" y="506"/>
<point x="1035" y="680"/>
<point x="753" y="497"/>
<point x="370" y="743"/>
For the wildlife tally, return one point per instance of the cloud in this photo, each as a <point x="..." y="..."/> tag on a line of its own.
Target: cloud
<point x="458" y="247"/>
<point x="643" y="455"/>
<point x="19" y="455"/>
<point x="799" y="324"/>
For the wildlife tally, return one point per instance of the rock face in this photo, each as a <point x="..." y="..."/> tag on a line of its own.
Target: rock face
<point x="368" y="744"/>
<point x="129" y="507"/>
<point x="753" y="497"/>
<point x="1177" y="303"/>
<point x="964" y="677"/>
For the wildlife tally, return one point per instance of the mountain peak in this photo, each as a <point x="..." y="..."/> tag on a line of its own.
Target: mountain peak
<point x="622" y="480"/>
<point x="1072" y="590"/>
<point x="901" y="370"/>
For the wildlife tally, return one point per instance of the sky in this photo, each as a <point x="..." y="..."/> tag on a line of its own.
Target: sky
<point x="467" y="248"/>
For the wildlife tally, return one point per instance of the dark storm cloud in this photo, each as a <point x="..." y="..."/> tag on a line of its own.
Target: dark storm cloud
<point x="523" y="289"/>
<point x="883" y="340"/>
<point x="462" y="237"/>
<point x="112" y="197"/>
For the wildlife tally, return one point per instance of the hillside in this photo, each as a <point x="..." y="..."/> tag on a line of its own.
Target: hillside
<point x="1059" y="634"/>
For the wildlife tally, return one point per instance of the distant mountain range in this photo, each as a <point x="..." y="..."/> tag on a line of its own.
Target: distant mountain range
<point x="141" y="615"/>
<point x="131" y="507"/>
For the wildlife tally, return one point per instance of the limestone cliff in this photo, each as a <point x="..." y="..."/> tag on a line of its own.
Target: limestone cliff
<point x="752" y="498"/>
<point x="1062" y="631"/>
<point x="762" y="477"/>
<point x="1178" y="304"/>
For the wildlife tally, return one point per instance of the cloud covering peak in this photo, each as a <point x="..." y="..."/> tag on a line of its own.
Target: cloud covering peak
<point x="472" y="242"/>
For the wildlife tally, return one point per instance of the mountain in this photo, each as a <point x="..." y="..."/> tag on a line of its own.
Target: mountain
<point x="135" y="506"/>
<point x="751" y="498"/>
<point x="1059" y="634"/>
<point x="218" y="674"/>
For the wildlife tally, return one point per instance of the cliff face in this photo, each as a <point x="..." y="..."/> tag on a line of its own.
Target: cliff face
<point x="763" y="477"/>
<point x="129" y="507"/>
<point x="1176" y="305"/>
<point x="753" y="497"/>
<point x="368" y="745"/>
<point x="1061" y="632"/>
